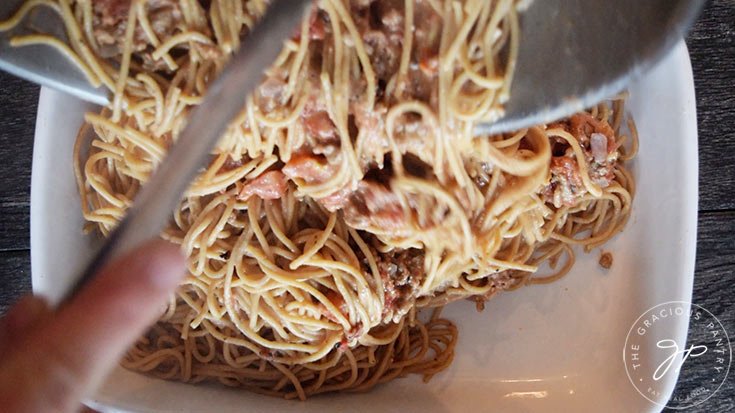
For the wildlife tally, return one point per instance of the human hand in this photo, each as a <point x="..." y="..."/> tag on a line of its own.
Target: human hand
<point x="51" y="359"/>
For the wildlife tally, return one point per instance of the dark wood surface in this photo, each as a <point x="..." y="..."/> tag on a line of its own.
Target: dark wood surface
<point x="712" y="48"/>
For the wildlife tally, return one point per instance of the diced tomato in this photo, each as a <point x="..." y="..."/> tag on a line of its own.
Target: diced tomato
<point x="269" y="185"/>
<point x="320" y="126"/>
<point x="316" y="27"/>
<point x="429" y="63"/>
<point x="310" y="168"/>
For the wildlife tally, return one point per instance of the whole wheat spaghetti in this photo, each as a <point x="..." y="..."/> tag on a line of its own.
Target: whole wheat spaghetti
<point x="349" y="192"/>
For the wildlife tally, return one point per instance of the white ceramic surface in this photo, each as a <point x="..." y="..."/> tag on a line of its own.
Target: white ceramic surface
<point x="543" y="348"/>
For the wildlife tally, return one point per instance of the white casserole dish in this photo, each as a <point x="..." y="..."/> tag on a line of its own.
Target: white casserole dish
<point x="551" y="347"/>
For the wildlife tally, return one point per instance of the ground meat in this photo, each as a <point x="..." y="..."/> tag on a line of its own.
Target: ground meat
<point x="384" y="56"/>
<point x="269" y="185"/>
<point x="165" y="17"/>
<point x="421" y="85"/>
<point x="111" y="11"/>
<point x="321" y="130"/>
<point x="271" y="94"/>
<point x="601" y="173"/>
<point x="229" y="164"/>
<point x="402" y="272"/>
<point x="414" y="136"/>
<point x="427" y="26"/>
<point x="374" y="205"/>
<point x="110" y="17"/>
<point x="597" y="140"/>
<point x="499" y="282"/>
<point x="321" y="133"/>
<point x="423" y="77"/>
<point x="566" y="183"/>
<point x="110" y="21"/>
<point x="371" y="122"/>
<point x="410" y="134"/>
<point x="606" y="260"/>
<point x="381" y="26"/>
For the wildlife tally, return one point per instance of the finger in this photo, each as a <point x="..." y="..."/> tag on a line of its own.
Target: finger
<point x="106" y="317"/>
<point x="25" y="312"/>
<point x="76" y="348"/>
<point x="21" y="316"/>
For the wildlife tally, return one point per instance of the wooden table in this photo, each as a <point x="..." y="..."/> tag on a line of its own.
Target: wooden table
<point x="712" y="48"/>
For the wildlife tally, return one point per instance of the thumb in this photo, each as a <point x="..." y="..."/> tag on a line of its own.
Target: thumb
<point x="71" y="352"/>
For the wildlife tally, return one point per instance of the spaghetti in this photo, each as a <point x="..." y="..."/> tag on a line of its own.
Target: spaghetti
<point x="348" y="193"/>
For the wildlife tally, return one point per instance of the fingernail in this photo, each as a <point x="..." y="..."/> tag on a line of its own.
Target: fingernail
<point x="165" y="263"/>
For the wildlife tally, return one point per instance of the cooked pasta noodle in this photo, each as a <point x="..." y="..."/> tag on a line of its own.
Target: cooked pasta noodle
<point x="348" y="194"/>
